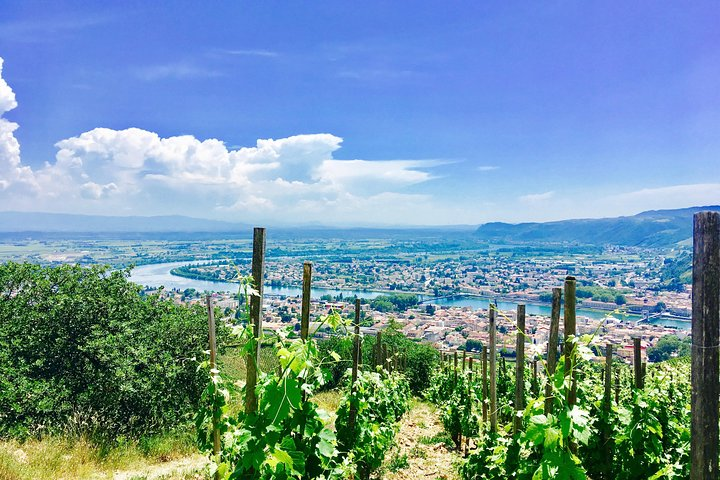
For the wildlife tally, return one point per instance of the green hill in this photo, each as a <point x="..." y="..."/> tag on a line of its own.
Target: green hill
<point x="654" y="228"/>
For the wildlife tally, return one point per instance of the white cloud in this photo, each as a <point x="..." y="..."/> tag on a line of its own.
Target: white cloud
<point x="14" y="177"/>
<point x="134" y="171"/>
<point x="537" y="197"/>
<point x="487" y="168"/>
<point x="364" y="175"/>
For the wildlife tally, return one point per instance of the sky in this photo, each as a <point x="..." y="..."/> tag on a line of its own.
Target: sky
<point x="349" y="113"/>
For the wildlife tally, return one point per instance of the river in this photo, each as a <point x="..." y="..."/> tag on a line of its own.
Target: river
<point x="158" y="274"/>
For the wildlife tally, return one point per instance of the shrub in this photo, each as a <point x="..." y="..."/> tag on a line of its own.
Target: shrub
<point x="81" y="349"/>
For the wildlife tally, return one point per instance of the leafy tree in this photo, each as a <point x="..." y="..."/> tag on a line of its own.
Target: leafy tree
<point x="381" y="304"/>
<point x="473" y="345"/>
<point x="80" y="346"/>
<point x="666" y="347"/>
<point x="659" y="307"/>
<point x="394" y="302"/>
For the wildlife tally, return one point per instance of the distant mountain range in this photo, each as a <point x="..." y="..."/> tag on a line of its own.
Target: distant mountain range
<point x="175" y="227"/>
<point x="654" y="228"/>
<point x="60" y="222"/>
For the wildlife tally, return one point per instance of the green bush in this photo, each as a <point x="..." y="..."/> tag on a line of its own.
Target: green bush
<point x="420" y="358"/>
<point x="82" y="350"/>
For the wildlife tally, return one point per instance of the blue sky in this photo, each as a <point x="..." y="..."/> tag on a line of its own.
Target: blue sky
<point x="379" y="112"/>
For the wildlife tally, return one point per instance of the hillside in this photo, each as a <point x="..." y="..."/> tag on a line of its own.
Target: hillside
<point x="654" y="228"/>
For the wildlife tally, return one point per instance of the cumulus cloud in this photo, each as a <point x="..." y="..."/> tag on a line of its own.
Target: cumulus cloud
<point x="135" y="171"/>
<point x="13" y="175"/>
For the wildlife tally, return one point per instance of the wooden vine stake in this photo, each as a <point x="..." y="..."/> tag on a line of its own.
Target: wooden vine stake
<point x="569" y="327"/>
<point x="305" y="306"/>
<point x="378" y="349"/>
<point x="552" y="348"/>
<point x="607" y="402"/>
<point x="570" y="344"/>
<point x="705" y="339"/>
<point x="485" y="383"/>
<point x="213" y="372"/>
<point x="637" y="363"/>
<point x="384" y="355"/>
<point x="356" y="362"/>
<point x="519" y="368"/>
<point x="493" y="371"/>
<point x="253" y="359"/>
<point x="617" y="387"/>
<point x="455" y="360"/>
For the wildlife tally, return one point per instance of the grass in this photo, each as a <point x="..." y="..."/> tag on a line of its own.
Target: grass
<point x="328" y="401"/>
<point x="79" y="458"/>
<point x="442" y="437"/>
<point x="398" y="462"/>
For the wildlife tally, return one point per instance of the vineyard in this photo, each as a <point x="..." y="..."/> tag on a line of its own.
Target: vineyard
<point x="571" y="410"/>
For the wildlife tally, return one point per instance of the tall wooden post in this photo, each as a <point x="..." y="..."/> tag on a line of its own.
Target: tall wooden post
<point x="637" y="362"/>
<point x="493" y="371"/>
<point x="569" y="327"/>
<point x="617" y="387"/>
<point x="356" y="362"/>
<point x="519" y="367"/>
<point x="213" y="371"/>
<point x="552" y="347"/>
<point x="305" y="307"/>
<point x="607" y="402"/>
<point x="378" y="349"/>
<point x="485" y="383"/>
<point x="643" y="371"/>
<point x="253" y="359"/>
<point x="455" y="360"/>
<point x="384" y="355"/>
<point x="705" y="340"/>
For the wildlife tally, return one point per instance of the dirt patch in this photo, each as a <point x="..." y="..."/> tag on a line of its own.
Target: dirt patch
<point x="182" y="469"/>
<point x="421" y="451"/>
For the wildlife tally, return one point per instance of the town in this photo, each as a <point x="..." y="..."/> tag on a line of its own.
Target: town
<point x="621" y="285"/>
<point x="623" y="292"/>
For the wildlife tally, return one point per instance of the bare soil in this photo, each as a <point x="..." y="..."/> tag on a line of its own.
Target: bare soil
<point x="420" y="439"/>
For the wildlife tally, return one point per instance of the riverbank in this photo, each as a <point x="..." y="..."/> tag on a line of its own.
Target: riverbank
<point x="423" y="296"/>
<point x="157" y="275"/>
